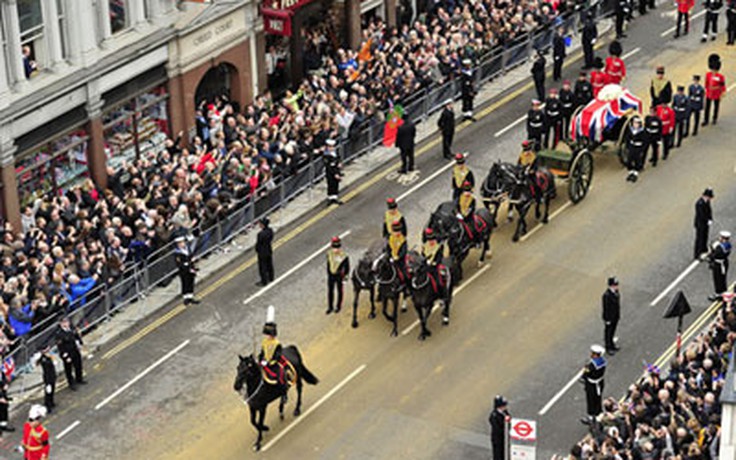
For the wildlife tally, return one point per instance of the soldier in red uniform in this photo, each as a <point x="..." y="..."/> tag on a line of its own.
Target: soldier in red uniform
<point x="683" y="13"/>
<point x="598" y="79"/>
<point x="615" y="68"/>
<point x="35" y="437"/>
<point x="715" y="88"/>
<point x="667" y="115"/>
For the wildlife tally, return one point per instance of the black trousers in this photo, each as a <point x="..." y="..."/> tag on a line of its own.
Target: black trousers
<point x="536" y="139"/>
<point x="730" y="27"/>
<point x="566" y="125"/>
<point x="557" y="69"/>
<point x="589" y="54"/>
<point x="334" y="286"/>
<point x="654" y="146"/>
<point x="265" y="268"/>
<point x="407" y="159"/>
<point x="696" y="122"/>
<point x="553" y="134"/>
<point x="636" y="159"/>
<point x="467" y="105"/>
<point x="680" y="18"/>
<point x="187" y="284"/>
<point x="681" y="130"/>
<point x="719" y="278"/>
<point x="701" y="241"/>
<point x="666" y="145"/>
<point x="447" y="144"/>
<point x="333" y="187"/>
<point x="73" y="367"/>
<point x="619" y="24"/>
<point x="594" y="401"/>
<point x="716" y="103"/>
<point x="609" y="333"/>
<point x="49" y="388"/>
<point x="499" y="450"/>
<point x="642" y="6"/>
<point x="539" y="85"/>
<point x="711" y="23"/>
<point x="3" y="412"/>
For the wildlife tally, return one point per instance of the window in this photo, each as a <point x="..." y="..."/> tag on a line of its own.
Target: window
<point x="118" y="15"/>
<point x="63" y="28"/>
<point x="31" y="34"/>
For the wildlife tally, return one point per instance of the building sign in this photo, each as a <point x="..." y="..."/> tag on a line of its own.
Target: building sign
<point x="204" y="40"/>
<point x="290" y="5"/>
<point x="522" y="439"/>
<point x="277" y="22"/>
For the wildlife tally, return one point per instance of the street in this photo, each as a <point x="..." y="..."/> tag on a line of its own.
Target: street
<point x="521" y="325"/>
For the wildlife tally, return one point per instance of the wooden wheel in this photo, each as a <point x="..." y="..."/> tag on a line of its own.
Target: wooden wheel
<point x="581" y="175"/>
<point x="623" y="152"/>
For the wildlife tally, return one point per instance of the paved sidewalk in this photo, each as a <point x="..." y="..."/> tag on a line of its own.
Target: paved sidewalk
<point x="28" y="386"/>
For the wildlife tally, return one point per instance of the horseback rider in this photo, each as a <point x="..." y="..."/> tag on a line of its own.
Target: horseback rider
<point x="392" y="214"/>
<point x="396" y="247"/>
<point x="433" y="251"/>
<point x="460" y="174"/>
<point x="465" y="207"/>
<point x="270" y="357"/>
<point x="527" y="157"/>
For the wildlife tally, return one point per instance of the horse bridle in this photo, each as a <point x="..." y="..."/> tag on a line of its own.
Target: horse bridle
<point x="249" y="398"/>
<point x="393" y="269"/>
<point x="360" y="280"/>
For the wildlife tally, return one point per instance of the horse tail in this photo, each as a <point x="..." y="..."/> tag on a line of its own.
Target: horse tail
<point x="308" y="376"/>
<point x="304" y="373"/>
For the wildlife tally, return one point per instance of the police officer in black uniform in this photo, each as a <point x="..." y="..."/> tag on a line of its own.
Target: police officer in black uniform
<point x="467" y="89"/>
<point x="333" y="172"/>
<point x="590" y="35"/>
<point x="338" y="267"/>
<point x="653" y="129"/>
<point x="49" y="377"/>
<point x="4" y="404"/>
<point x="636" y="146"/>
<point x="567" y="107"/>
<point x="535" y="124"/>
<point x="703" y="221"/>
<point x="187" y="270"/>
<point x="558" y="53"/>
<point x="712" y="11"/>
<point x="68" y="341"/>
<point x="681" y="106"/>
<point x="538" y="74"/>
<point x="611" y="314"/>
<point x="498" y="419"/>
<point x="583" y="90"/>
<point x="446" y="124"/>
<point x="592" y="378"/>
<point x="264" y="250"/>
<point x="553" y="117"/>
<point x="696" y="95"/>
<point x="718" y="262"/>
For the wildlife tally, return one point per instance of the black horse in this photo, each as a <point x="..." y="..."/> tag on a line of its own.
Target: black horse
<point x="521" y="189"/>
<point x="259" y="393"/>
<point x="445" y="224"/>
<point x="390" y="286"/>
<point x="429" y="285"/>
<point x="364" y="279"/>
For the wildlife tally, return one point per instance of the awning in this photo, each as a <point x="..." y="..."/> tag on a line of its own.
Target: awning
<point x="277" y="22"/>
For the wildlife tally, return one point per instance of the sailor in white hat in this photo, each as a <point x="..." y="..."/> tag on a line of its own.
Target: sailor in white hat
<point x="467" y="90"/>
<point x="446" y="124"/>
<point x="593" y="374"/>
<point x="718" y="262"/>
<point x="333" y="172"/>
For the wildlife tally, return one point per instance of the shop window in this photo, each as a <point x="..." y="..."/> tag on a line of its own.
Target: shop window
<point x="118" y="15"/>
<point x="53" y="167"/>
<point x="31" y="35"/>
<point x="136" y="128"/>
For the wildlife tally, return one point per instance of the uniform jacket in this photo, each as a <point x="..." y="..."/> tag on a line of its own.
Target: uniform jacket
<point x="715" y="85"/>
<point x="538" y="68"/>
<point x="615" y="69"/>
<point x="598" y="80"/>
<point x="433" y="252"/>
<point x="466" y="204"/>
<point x="396" y="246"/>
<point x="497" y="419"/>
<point x="684" y="6"/>
<point x="590" y="31"/>
<point x="48" y="368"/>
<point x="35" y="442"/>
<point x="467" y="87"/>
<point x="535" y="122"/>
<point x="558" y="47"/>
<point x="461" y="174"/>
<point x="184" y="262"/>
<point x="718" y="256"/>
<point x="611" y="305"/>
<point x="567" y="101"/>
<point x="667" y="115"/>
<point x="263" y="242"/>
<point x="653" y="127"/>
<point x="595" y="370"/>
<point x="636" y="140"/>
<point x="338" y="262"/>
<point x="67" y="341"/>
<point x="703" y="213"/>
<point x="446" y="122"/>
<point x="552" y="110"/>
<point x="583" y="92"/>
<point x="681" y="106"/>
<point x="388" y="219"/>
<point x="696" y="93"/>
<point x="713" y="6"/>
<point x="661" y="92"/>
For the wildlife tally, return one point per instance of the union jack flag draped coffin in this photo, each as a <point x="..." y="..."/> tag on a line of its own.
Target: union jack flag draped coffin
<point x="612" y="103"/>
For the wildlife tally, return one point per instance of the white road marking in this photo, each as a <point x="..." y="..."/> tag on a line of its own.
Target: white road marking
<point x="67" y="430"/>
<point x="677" y="280"/>
<point x="692" y="18"/>
<point x="631" y="53"/>
<point x="540" y="225"/>
<point x="313" y="408"/>
<point x="730" y="88"/>
<point x="426" y="181"/>
<point x="142" y="374"/>
<point x="509" y="127"/>
<point x="289" y="272"/>
<point x="556" y="397"/>
<point x="460" y="288"/>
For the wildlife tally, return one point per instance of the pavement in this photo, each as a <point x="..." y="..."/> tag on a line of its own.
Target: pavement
<point x="521" y="325"/>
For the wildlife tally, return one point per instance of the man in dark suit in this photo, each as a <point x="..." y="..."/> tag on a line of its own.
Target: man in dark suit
<point x="703" y="221"/>
<point x="538" y="75"/>
<point x="405" y="137"/>
<point x="611" y="314"/>
<point x="264" y="250"/>
<point x="558" y="53"/>
<point x="446" y="124"/>
<point x="590" y="35"/>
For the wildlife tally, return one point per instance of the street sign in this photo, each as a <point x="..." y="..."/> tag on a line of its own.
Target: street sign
<point x="523" y="430"/>
<point x="519" y="452"/>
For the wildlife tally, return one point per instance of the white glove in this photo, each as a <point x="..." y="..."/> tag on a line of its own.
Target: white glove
<point x="710" y="222"/>
<point x="264" y="363"/>
<point x="47" y="389"/>
<point x="592" y="42"/>
<point x="459" y="216"/>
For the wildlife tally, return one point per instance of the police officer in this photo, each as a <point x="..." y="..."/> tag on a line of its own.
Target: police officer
<point x="660" y="88"/>
<point x="593" y="374"/>
<point x="712" y="10"/>
<point x="538" y="74"/>
<point x="611" y="301"/>
<point x="653" y="130"/>
<point x="730" y="22"/>
<point x="567" y="106"/>
<point x="187" y="270"/>
<point x="553" y="117"/>
<point x="590" y="35"/>
<point x="446" y="124"/>
<point x="681" y="107"/>
<point x="264" y="250"/>
<point x="392" y="215"/>
<point x="49" y="377"/>
<point x="558" y="53"/>
<point x="68" y="341"/>
<point x="696" y="95"/>
<point x="498" y="419"/>
<point x="703" y="221"/>
<point x="460" y="174"/>
<point x="715" y="88"/>
<point x="338" y="267"/>
<point x="583" y="90"/>
<point x="467" y="89"/>
<point x="333" y="172"/>
<point x="718" y="262"/>
<point x="535" y="124"/>
<point x="4" y="404"/>
<point x="636" y="146"/>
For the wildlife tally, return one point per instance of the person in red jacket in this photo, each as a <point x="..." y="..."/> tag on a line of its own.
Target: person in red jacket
<point x="598" y="79"/>
<point x="715" y="88"/>
<point x="615" y="68"/>
<point x="35" y="437"/>
<point x="683" y="14"/>
<point x="667" y="115"/>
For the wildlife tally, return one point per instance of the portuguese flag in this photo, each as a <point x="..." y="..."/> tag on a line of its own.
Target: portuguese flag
<point x="393" y="121"/>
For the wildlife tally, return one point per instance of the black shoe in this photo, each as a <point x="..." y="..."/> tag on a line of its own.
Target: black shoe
<point x="585" y="420"/>
<point x="81" y="382"/>
<point x="611" y="352"/>
<point x="329" y="310"/>
<point x="705" y="123"/>
<point x="8" y="428"/>
<point x="714" y="297"/>
<point x="715" y="122"/>
<point x="260" y="283"/>
<point x="194" y="301"/>
<point x="713" y="38"/>
<point x="73" y="387"/>
<point x="677" y="36"/>
<point x="703" y="40"/>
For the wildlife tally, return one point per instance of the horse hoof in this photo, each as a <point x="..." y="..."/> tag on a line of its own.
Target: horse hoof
<point x="355" y="324"/>
<point x="265" y="428"/>
<point x="297" y="412"/>
<point x="394" y="334"/>
<point x="372" y="315"/>
<point x="256" y="447"/>
<point x="428" y="333"/>
<point x="422" y="337"/>
<point x="545" y="220"/>
<point x="515" y="239"/>
<point x="480" y="263"/>
<point x="281" y="417"/>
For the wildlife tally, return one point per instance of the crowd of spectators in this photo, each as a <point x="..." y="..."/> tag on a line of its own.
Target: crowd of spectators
<point x="669" y="415"/>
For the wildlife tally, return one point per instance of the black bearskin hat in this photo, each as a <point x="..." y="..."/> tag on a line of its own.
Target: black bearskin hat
<point x="269" y="329"/>
<point x="714" y="62"/>
<point x="615" y="49"/>
<point x="598" y="63"/>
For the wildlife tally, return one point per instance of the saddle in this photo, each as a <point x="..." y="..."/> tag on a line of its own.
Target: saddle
<point x="479" y="226"/>
<point x="280" y="373"/>
<point x="438" y="278"/>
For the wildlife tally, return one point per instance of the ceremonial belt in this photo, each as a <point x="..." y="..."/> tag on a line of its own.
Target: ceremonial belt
<point x="567" y="104"/>
<point x="535" y="125"/>
<point x="594" y="381"/>
<point x="553" y="114"/>
<point x="637" y="143"/>
<point x="652" y="131"/>
<point x="680" y="109"/>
